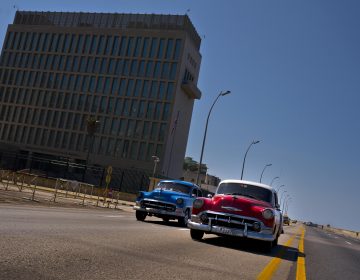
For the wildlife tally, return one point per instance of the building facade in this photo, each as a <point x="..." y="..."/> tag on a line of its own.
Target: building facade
<point x="134" y="73"/>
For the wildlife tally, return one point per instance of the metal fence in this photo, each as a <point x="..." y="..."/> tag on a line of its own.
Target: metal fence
<point x="123" y="180"/>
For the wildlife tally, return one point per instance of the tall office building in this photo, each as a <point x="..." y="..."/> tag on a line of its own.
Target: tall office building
<point x="135" y="73"/>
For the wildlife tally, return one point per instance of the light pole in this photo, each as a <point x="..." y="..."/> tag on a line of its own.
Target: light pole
<point x="222" y="93"/>
<point x="272" y="181"/>
<point x="264" y="170"/>
<point x="156" y="161"/>
<point x="252" y="143"/>
<point x="282" y="196"/>
<point x="287" y="204"/>
<point x="287" y="197"/>
<point x="91" y="126"/>
<point x="279" y="188"/>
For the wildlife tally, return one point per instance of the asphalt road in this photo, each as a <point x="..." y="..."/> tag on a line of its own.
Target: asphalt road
<point x="40" y="242"/>
<point x="331" y="256"/>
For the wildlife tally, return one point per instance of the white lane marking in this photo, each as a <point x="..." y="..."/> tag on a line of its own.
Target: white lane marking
<point x="348" y="242"/>
<point x="183" y="229"/>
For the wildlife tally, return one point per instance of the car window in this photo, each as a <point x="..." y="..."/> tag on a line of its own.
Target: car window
<point x="172" y="186"/>
<point x="245" y="190"/>
<point x="194" y="192"/>
<point x="200" y="193"/>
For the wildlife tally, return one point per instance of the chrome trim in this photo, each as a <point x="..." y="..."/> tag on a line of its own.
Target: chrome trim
<point x="161" y="212"/>
<point x="233" y="215"/>
<point x="231" y="231"/>
<point x="157" y="200"/>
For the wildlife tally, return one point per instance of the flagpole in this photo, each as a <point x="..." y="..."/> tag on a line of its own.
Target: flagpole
<point x="173" y="132"/>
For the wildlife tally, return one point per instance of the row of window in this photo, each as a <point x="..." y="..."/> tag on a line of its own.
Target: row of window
<point x="134" y="108"/>
<point x="119" y="148"/>
<point x="126" y="46"/>
<point x="93" y="65"/>
<point x="89" y="84"/>
<point x="117" y="127"/>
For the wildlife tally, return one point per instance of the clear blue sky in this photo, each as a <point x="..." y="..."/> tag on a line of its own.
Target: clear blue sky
<point x="294" y="71"/>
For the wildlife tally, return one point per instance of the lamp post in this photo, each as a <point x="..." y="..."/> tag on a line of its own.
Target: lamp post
<point x="287" y="197"/>
<point x="279" y="188"/>
<point x="91" y="126"/>
<point x="272" y="181"/>
<point x="282" y="196"/>
<point x="264" y="170"/>
<point x="287" y="204"/>
<point x="252" y="143"/>
<point x="222" y="93"/>
<point x="156" y="161"/>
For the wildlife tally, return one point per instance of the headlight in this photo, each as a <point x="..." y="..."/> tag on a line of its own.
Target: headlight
<point x="268" y="214"/>
<point x="198" y="203"/>
<point x="179" y="201"/>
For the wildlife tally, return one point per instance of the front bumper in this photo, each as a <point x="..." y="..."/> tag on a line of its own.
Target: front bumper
<point x="179" y="212"/>
<point x="264" y="235"/>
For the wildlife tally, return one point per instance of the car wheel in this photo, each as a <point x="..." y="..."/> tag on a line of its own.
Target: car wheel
<point x="140" y="215"/>
<point x="196" y="234"/>
<point x="183" y="221"/>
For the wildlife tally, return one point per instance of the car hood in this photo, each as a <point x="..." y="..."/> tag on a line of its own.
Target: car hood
<point x="165" y="195"/>
<point x="239" y="205"/>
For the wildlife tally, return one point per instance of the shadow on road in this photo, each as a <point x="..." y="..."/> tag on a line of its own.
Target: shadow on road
<point x="253" y="246"/>
<point x="173" y="223"/>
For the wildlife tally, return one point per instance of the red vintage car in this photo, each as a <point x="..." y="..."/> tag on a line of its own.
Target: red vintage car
<point x="239" y="208"/>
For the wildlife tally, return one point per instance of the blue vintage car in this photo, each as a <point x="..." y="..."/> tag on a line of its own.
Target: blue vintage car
<point x="170" y="200"/>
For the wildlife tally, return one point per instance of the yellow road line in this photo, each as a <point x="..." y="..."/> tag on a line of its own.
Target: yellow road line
<point x="273" y="265"/>
<point x="300" y="269"/>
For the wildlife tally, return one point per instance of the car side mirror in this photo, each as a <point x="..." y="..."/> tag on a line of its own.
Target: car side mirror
<point x="277" y="206"/>
<point x="209" y="196"/>
<point x="193" y="195"/>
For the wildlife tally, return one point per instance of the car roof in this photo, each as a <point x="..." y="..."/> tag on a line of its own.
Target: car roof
<point x="248" y="183"/>
<point x="188" y="184"/>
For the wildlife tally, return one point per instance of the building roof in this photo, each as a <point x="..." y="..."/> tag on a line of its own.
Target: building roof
<point x="109" y="20"/>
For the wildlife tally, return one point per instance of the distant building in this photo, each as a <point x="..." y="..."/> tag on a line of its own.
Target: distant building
<point x="135" y="73"/>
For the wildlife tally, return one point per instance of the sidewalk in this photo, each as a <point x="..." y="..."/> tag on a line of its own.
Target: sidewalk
<point x="11" y="193"/>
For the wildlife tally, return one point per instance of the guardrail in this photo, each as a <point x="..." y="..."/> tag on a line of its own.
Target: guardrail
<point x="61" y="189"/>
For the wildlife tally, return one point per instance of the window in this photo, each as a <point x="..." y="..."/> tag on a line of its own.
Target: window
<point x="122" y="46"/>
<point x="103" y="66"/>
<point x="157" y="111"/>
<point x="79" y="45"/>
<point x="130" y="87"/>
<point x="173" y="71"/>
<point x="157" y="70"/>
<point x="169" y="49"/>
<point x="130" y="129"/>
<point x="161" y="48"/>
<point x="137" y="47"/>
<point x="169" y="92"/>
<point x="108" y="45"/>
<point x="93" y="44"/>
<point x="133" y="150"/>
<point x="161" y="136"/>
<point x="145" y="47"/>
<point x="153" y="91"/>
<point x="177" y="49"/>
<point x="115" y="47"/>
<point x="153" y="47"/>
<point x="166" y="112"/>
<point x="130" y="46"/>
<point x="150" y="110"/>
<point x="133" y="68"/>
<point x="145" y="91"/>
<point x="137" y="88"/>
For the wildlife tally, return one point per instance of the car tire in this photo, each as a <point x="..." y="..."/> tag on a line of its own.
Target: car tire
<point x="184" y="220"/>
<point x="196" y="234"/>
<point x="140" y="215"/>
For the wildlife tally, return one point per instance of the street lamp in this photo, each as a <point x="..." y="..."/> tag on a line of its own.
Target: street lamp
<point x="286" y="198"/>
<point x="156" y="161"/>
<point x="91" y="124"/>
<point x="252" y="143"/>
<point x="282" y="196"/>
<point x="222" y="93"/>
<point x="279" y="188"/>
<point x="272" y="181"/>
<point x="264" y="170"/>
<point x="287" y="204"/>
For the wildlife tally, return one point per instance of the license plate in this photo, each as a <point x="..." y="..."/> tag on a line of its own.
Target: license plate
<point x="225" y="231"/>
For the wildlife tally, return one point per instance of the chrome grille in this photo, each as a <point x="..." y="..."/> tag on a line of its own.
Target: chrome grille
<point x="158" y="205"/>
<point x="230" y="221"/>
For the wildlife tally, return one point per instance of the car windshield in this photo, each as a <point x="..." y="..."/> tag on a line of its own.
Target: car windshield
<point x="245" y="190"/>
<point x="175" y="187"/>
